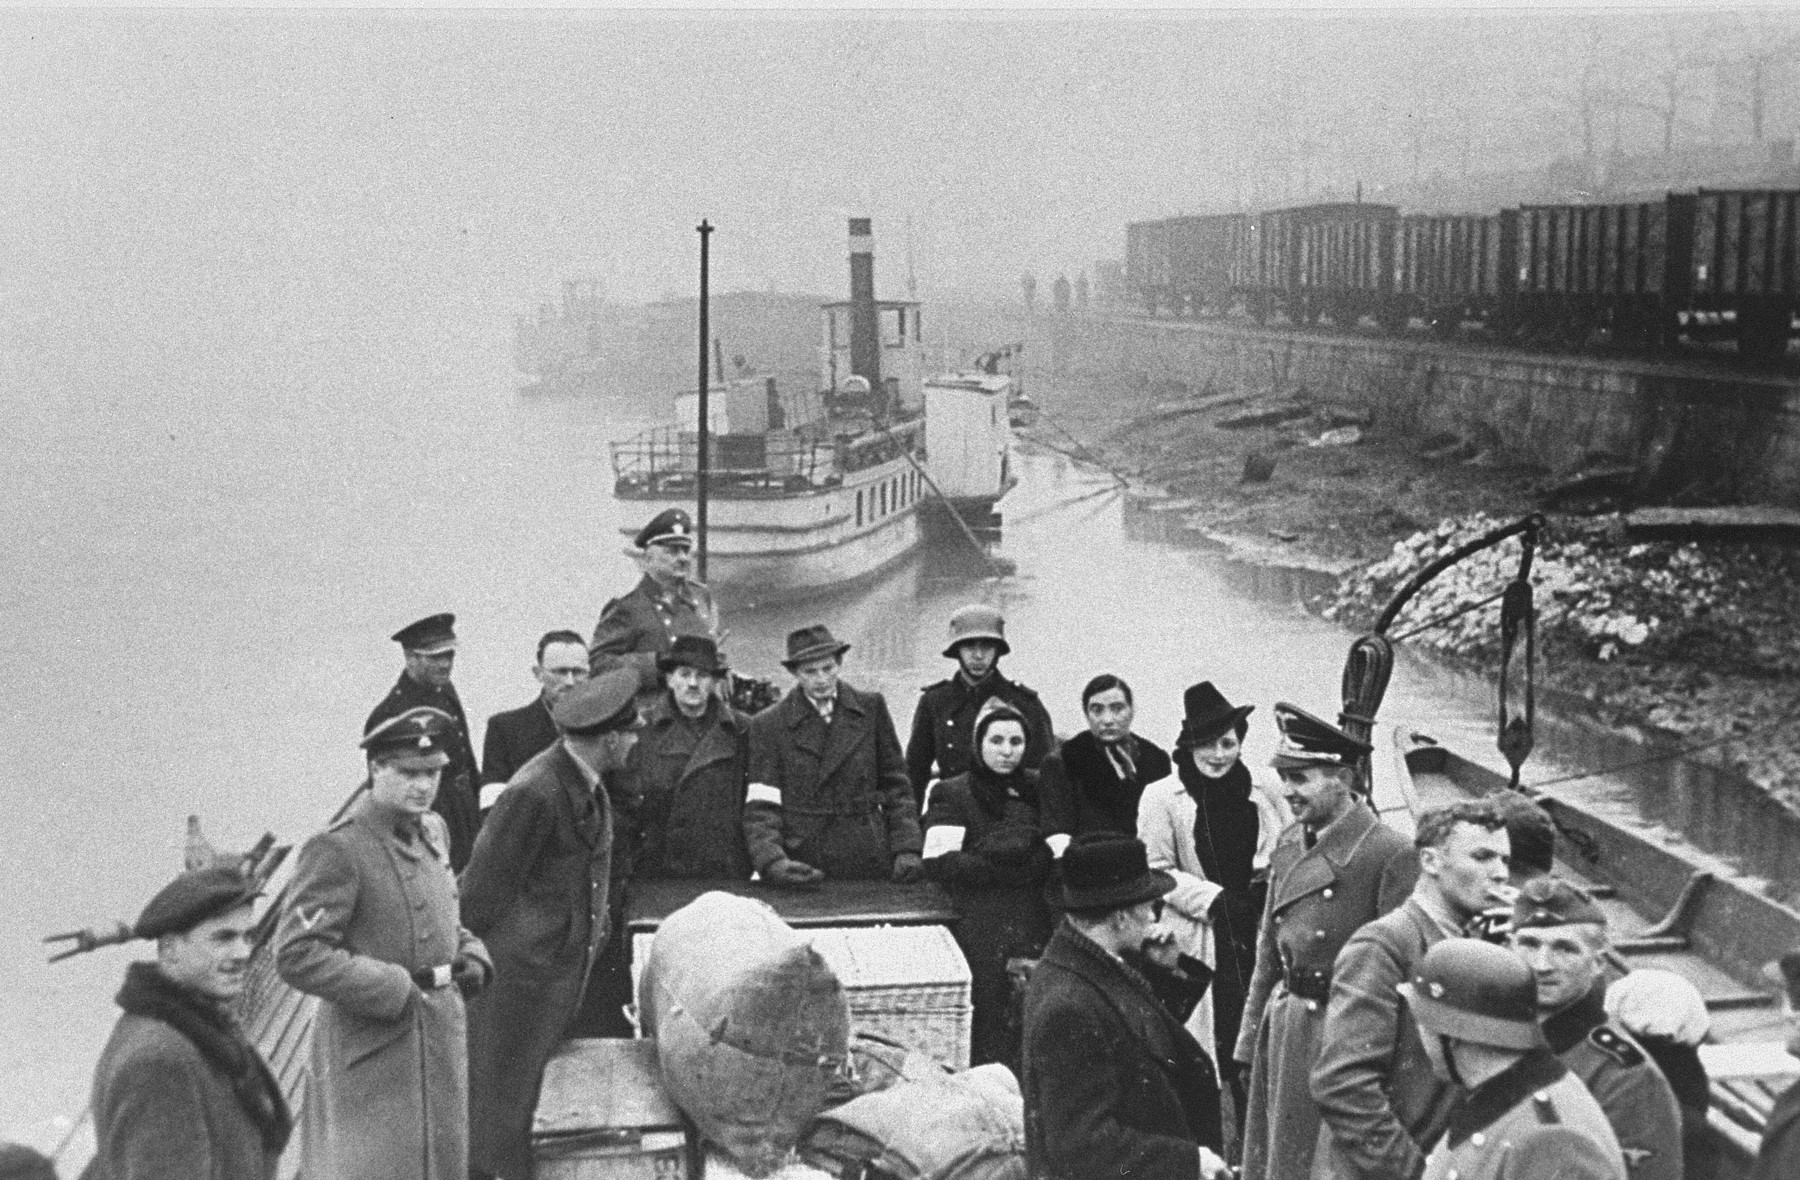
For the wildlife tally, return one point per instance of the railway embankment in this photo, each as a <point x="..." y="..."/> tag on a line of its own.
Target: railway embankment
<point x="1366" y="458"/>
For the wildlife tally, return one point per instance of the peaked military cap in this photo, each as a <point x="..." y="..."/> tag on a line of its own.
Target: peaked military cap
<point x="692" y="651"/>
<point x="607" y="702"/>
<point x="977" y="623"/>
<point x="417" y="739"/>
<point x="192" y="898"/>
<point x="1547" y="901"/>
<point x="428" y="636"/>
<point x="811" y="643"/>
<point x="1475" y="991"/>
<point x="671" y="527"/>
<point x="1308" y="741"/>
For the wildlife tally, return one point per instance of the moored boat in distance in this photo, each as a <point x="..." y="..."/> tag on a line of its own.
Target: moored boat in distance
<point x="811" y="490"/>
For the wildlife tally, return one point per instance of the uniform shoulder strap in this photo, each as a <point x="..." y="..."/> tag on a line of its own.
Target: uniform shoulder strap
<point x="1616" y="1045"/>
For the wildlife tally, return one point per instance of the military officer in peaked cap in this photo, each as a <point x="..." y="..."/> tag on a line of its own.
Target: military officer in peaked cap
<point x="371" y="928"/>
<point x="1525" y="1117"/>
<point x="537" y="892"/>
<point x="640" y="626"/>
<point x="1334" y="869"/>
<point x="944" y="721"/>
<point x="1560" y="934"/>
<point x="179" y="1092"/>
<point x="430" y="649"/>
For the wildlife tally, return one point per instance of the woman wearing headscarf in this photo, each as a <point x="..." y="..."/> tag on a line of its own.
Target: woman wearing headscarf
<point x="1211" y="826"/>
<point x="984" y="843"/>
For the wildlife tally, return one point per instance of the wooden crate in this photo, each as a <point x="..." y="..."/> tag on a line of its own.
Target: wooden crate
<point x="603" y="1115"/>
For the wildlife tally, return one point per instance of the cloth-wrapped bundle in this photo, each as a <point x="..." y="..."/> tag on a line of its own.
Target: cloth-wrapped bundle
<point x="750" y="1023"/>
<point x="966" y="1126"/>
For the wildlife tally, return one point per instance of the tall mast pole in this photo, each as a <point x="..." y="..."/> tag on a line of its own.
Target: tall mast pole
<point x="705" y="228"/>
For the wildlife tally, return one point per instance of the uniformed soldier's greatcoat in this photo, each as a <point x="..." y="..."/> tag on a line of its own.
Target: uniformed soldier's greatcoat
<point x="639" y="626"/>
<point x="944" y="725"/>
<point x="832" y="796"/>
<point x="387" y="1092"/>
<point x="536" y="893"/>
<point x="1358" y="869"/>
<point x="1381" y="1103"/>
<point x="1628" y="1085"/>
<point x="1534" y="1121"/>
<point x="690" y="779"/>
<point x="459" y="793"/>
<point x="1779" y="1156"/>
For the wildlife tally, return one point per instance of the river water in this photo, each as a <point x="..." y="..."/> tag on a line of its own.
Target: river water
<point x="202" y="561"/>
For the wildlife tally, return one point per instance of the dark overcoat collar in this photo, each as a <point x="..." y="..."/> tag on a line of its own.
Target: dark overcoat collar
<point x="1502" y="1092"/>
<point x="719" y="734"/>
<point x="1301" y="870"/>
<point x="1576" y="1021"/>
<point x="1156" y="1030"/>
<point x="831" y="744"/>
<point x="581" y="802"/>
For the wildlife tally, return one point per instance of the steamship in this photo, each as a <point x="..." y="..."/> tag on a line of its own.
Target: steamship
<point x="812" y="489"/>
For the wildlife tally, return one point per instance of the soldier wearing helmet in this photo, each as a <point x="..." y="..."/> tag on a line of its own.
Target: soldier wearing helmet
<point x="1525" y="1117"/>
<point x="944" y="722"/>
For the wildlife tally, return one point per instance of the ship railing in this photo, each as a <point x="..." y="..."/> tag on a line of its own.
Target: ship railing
<point x="666" y="459"/>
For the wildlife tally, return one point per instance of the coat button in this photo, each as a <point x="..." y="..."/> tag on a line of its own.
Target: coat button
<point x="1328" y="895"/>
<point x="1318" y="936"/>
<point x="1312" y="1005"/>
<point x="1478" y="1139"/>
<point x="1277" y="919"/>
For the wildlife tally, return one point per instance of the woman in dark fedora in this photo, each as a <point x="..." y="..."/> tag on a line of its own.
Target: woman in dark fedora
<point x="1211" y="827"/>
<point x="984" y="842"/>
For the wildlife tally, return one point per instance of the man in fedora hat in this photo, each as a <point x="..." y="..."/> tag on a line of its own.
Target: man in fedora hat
<point x="1779" y="1156"/>
<point x="536" y="892"/>
<point x="516" y="736"/>
<point x="944" y="721"/>
<point x="1334" y="869"/>
<point x="691" y="762"/>
<point x="640" y="625"/>
<point x="828" y="794"/>
<point x="371" y="928"/>
<point x="1092" y="782"/>
<point x="180" y="1093"/>
<point x="1113" y="1085"/>
<point x="429" y="647"/>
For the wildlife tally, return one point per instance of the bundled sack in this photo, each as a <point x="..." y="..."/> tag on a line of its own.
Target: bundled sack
<point x="966" y="1126"/>
<point x="878" y="1062"/>
<point x="750" y="1024"/>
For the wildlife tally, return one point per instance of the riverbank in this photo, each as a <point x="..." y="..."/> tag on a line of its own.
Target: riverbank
<point x="1689" y="644"/>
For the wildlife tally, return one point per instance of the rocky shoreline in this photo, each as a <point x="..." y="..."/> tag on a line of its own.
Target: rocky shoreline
<point x="1687" y="644"/>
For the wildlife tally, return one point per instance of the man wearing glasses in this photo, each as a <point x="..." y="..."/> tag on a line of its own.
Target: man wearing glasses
<point x="519" y="735"/>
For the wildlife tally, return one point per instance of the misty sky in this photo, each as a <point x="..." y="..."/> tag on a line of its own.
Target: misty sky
<point x="217" y="165"/>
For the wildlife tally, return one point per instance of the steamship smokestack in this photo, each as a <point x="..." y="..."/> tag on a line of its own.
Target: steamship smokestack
<point x="865" y="349"/>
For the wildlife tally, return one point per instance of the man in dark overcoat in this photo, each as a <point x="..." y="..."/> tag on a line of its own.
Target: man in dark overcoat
<point x="1779" y="1156"/>
<point x="1114" y="1086"/>
<point x="180" y="1093"/>
<point x="371" y="929"/>
<point x="690" y="765"/>
<point x="828" y="794"/>
<point x="1335" y="868"/>
<point x="944" y="721"/>
<point x="536" y="893"/>
<point x="639" y="626"/>
<point x="516" y="736"/>
<point x="1383" y="1106"/>
<point x="1093" y="781"/>
<point x="429" y="646"/>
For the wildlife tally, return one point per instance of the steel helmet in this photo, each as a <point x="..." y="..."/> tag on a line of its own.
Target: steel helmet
<point x="1475" y="991"/>
<point x="977" y="622"/>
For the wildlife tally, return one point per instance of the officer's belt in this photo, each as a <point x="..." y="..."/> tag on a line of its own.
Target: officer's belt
<point x="1308" y="985"/>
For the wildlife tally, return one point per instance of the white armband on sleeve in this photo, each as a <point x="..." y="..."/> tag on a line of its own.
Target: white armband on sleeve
<point x="1057" y="842"/>
<point x="763" y="793"/>
<point x="490" y="794"/>
<point x="943" y="838"/>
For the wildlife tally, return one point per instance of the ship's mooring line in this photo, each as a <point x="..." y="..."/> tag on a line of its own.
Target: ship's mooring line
<point x="1085" y="454"/>
<point x="1449" y="616"/>
<point x="1043" y="509"/>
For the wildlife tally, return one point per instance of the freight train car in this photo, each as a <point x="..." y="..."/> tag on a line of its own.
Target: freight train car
<point x="1742" y="259"/>
<point x="1450" y="268"/>
<point x="1333" y="261"/>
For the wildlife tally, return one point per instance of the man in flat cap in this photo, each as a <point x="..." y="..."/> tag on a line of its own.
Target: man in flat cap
<point x="1524" y="1116"/>
<point x="636" y="628"/>
<point x="429" y="646"/>
<point x="180" y="1093"/>
<point x="371" y="929"/>
<point x="1779" y="1156"/>
<point x="516" y="736"/>
<point x="1381" y="1104"/>
<point x="828" y="794"/>
<point x="1560" y="934"/>
<point x="944" y="720"/>
<point x="536" y="892"/>
<point x="1336" y="867"/>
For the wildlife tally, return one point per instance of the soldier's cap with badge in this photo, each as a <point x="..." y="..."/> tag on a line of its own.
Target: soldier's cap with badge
<point x="430" y="636"/>
<point x="605" y="703"/>
<point x="977" y="623"/>
<point x="415" y="740"/>
<point x="698" y="652"/>
<point x="1475" y="991"/>
<point x="192" y="898"/>
<point x="671" y="527"/>
<point x="1549" y="901"/>
<point x="1308" y="741"/>
<point x="811" y="643"/>
<point x="1786" y="972"/>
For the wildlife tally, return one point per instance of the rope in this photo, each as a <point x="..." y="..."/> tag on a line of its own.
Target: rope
<point x="1450" y="616"/>
<point x="1678" y="752"/>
